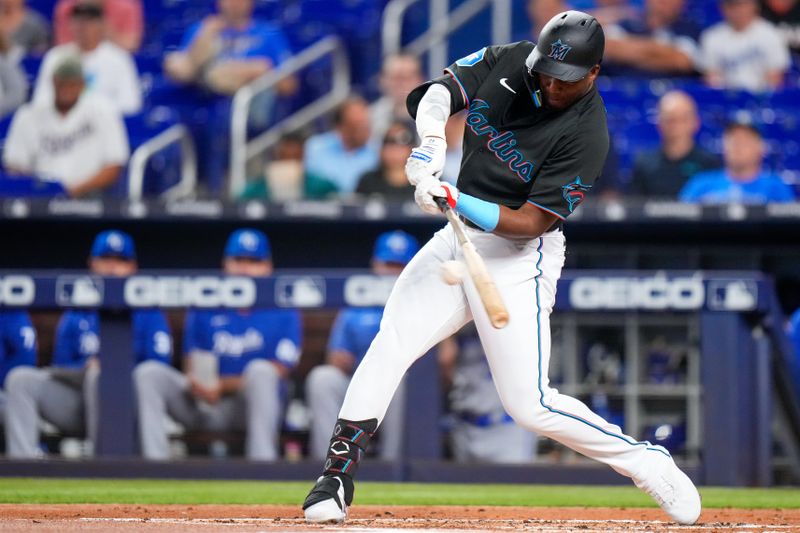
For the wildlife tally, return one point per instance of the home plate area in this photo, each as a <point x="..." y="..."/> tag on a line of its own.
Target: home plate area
<point x="235" y="518"/>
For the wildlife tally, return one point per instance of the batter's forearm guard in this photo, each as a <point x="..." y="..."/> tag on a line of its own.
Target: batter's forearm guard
<point x="348" y="444"/>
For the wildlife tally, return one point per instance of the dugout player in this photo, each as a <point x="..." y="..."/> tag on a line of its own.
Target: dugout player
<point x="66" y="393"/>
<point x="17" y="347"/>
<point x="350" y="338"/>
<point x="535" y="142"/>
<point x="255" y="349"/>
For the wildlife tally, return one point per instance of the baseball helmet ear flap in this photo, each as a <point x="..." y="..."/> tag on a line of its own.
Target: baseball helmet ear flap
<point x="569" y="45"/>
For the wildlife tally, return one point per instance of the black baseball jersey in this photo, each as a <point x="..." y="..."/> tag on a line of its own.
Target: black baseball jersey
<point x="516" y="149"/>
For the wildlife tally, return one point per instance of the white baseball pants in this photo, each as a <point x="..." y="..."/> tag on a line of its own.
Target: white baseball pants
<point x="422" y="310"/>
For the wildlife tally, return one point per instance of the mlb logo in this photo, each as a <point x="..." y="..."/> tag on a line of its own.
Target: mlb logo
<point x="79" y="291"/>
<point x="299" y="291"/>
<point x="734" y="295"/>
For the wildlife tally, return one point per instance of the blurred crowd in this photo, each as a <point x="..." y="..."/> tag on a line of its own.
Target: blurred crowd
<point x="71" y="137"/>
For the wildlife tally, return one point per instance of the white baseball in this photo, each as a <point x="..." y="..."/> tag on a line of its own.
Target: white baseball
<point x="453" y="272"/>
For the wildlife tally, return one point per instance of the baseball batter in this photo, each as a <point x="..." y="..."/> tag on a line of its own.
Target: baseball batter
<point x="535" y="141"/>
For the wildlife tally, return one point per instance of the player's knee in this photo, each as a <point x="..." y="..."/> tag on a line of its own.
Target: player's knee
<point x="20" y="379"/>
<point x="322" y="379"/>
<point x="146" y="374"/>
<point x="530" y="415"/>
<point x="260" y="371"/>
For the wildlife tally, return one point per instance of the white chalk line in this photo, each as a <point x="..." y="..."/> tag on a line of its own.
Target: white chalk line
<point x="585" y="525"/>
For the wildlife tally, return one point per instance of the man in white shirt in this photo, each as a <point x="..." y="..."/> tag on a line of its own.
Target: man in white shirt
<point x="400" y="74"/>
<point x="744" y="51"/>
<point x="74" y="139"/>
<point x="110" y="70"/>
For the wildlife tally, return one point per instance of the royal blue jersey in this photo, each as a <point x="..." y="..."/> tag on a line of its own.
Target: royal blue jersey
<point x="354" y="330"/>
<point x="77" y="337"/>
<point x="17" y="342"/>
<point x="238" y="337"/>
<point x="716" y="187"/>
<point x="258" y="39"/>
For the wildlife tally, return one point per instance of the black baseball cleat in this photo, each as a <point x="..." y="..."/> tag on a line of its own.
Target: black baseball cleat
<point x="328" y="500"/>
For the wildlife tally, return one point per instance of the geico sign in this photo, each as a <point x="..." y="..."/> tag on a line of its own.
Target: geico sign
<point x="200" y="291"/>
<point x="366" y="291"/>
<point x="17" y="290"/>
<point x="637" y="293"/>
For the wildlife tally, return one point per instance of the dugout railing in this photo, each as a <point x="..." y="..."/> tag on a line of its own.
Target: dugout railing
<point x="734" y="390"/>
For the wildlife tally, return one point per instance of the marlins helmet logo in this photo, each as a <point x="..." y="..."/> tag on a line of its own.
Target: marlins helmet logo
<point x="559" y="50"/>
<point x="574" y="193"/>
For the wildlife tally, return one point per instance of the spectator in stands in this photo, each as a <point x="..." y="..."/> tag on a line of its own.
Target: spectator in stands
<point x="229" y="49"/>
<point x="17" y="347"/>
<point x="793" y="330"/>
<point x="283" y="175"/>
<point x="400" y="74"/>
<point x="74" y="139"/>
<point x="66" y="393"/>
<point x="540" y="12"/>
<point x="26" y="31"/>
<point x="480" y="429"/>
<point x="662" y="41"/>
<point x="335" y="160"/>
<point x="13" y="83"/>
<point x="743" y="179"/>
<point x="124" y="22"/>
<point x="110" y="70"/>
<point x="235" y="366"/>
<point x="662" y="173"/>
<point x="351" y="335"/>
<point x="744" y="51"/>
<point x="785" y="14"/>
<point x="389" y="179"/>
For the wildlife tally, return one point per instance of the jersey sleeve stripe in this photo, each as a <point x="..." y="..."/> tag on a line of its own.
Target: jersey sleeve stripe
<point x="545" y="209"/>
<point x="460" y="86"/>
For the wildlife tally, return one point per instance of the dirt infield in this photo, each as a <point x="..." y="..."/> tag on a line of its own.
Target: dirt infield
<point x="236" y="518"/>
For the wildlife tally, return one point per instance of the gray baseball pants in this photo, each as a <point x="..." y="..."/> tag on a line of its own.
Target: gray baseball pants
<point x="326" y="386"/>
<point x="256" y="408"/>
<point x="33" y="394"/>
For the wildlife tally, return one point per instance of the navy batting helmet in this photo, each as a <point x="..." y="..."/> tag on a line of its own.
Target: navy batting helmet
<point x="568" y="47"/>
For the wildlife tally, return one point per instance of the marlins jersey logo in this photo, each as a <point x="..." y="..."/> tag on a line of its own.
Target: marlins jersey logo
<point x="559" y="50"/>
<point x="574" y="193"/>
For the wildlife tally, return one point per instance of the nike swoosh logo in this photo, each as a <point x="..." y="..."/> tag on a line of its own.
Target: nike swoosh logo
<point x="504" y="83"/>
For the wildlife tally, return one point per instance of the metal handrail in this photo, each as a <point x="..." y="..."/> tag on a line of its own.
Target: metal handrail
<point x="243" y="150"/>
<point x="441" y="27"/>
<point x="138" y="162"/>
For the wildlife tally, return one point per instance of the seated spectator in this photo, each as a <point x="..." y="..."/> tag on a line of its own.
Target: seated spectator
<point x="229" y="49"/>
<point x="13" y="83"/>
<point x="66" y="393"/>
<point x="335" y="160"/>
<point x="540" y="12"/>
<point x="26" y="31"/>
<point x="389" y="179"/>
<point x="662" y="41"/>
<point x="400" y="74"/>
<point x="283" y="175"/>
<point x="662" y="173"/>
<point x="350" y="337"/>
<point x="17" y="348"/>
<point x="74" y="138"/>
<point x="743" y="179"/>
<point x="110" y="70"/>
<point x="124" y="22"/>
<point x="744" y="51"/>
<point x="785" y="15"/>
<point x="480" y="428"/>
<point x="235" y="367"/>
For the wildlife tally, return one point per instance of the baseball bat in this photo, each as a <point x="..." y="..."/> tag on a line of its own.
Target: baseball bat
<point x="487" y="290"/>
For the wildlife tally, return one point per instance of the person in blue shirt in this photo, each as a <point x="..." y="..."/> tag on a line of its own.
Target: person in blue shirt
<point x="743" y="179"/>
<point x="229" y="49"/>
<point x="66" y="393"/>
<point x="351" y="335"/>
<point x="17" y="347"/>
<point x="235" y="366"/>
